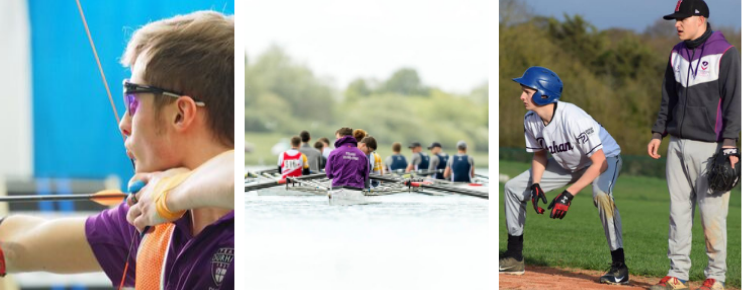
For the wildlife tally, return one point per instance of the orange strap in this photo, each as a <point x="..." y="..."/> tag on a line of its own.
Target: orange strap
<point x="150" y="261"/>
<point x="162" y="190"/>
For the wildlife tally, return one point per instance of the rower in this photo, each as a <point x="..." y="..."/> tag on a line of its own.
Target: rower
<point x="320" y="147"/>
<point x="460" y="167"/>
<point x="368" y="145"/>
<point x="313" y="155"/>
<point x="326" y="147"/>
<point x="376" y="163"/>
<point x="438" y="160"/>
<point x="419" y="160"/>
<point x="293" y="163"/>
<point x="347" y="166"/>
<point x="396" y="162"/>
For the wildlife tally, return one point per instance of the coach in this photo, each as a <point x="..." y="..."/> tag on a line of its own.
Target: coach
<point x="700" y="108"/>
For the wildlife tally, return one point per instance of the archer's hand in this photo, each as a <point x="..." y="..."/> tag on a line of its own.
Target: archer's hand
<point x="142" y="212"/>
<point x="536" y="193"/>
<point x="560" y="205"/>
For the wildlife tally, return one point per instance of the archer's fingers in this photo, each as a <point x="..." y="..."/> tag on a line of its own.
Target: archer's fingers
<point x="133" y="213"/>
<point x="140" y="223"/>
<point x="131" y="200"/>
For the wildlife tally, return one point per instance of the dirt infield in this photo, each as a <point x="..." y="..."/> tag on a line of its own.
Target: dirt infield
<point x="537" y="277"/>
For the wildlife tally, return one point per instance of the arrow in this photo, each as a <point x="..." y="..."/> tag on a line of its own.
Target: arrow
<point x="107" y="197"/>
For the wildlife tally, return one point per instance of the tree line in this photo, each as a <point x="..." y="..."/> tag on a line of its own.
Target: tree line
<point x="284" y="96"/>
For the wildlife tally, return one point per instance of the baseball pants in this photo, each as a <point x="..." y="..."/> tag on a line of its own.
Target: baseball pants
<point x="554" y="177"/>
<point x="687" y="180"/>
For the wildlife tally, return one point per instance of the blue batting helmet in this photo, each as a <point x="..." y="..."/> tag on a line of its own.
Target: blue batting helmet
<point x="547" y="84"/>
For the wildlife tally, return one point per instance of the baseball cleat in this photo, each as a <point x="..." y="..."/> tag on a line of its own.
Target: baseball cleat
<point x="712" y="284"/>
<point x="670" y="283"/>
<point x="511" y="266"/>
<point x="617" y="275"/>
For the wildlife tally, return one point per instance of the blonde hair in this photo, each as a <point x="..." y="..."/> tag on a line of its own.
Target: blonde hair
<point x="192" y="54"/>
<point x="359" y="134"/>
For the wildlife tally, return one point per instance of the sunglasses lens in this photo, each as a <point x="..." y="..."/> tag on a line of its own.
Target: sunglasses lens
<point x="131" y="103"/>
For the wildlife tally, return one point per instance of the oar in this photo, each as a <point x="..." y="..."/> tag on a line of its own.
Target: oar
<point x="269" y="184"/>
<point x="270" y="170"/>
<point x="449" y="189"/>
<point x="107" y="197"/>
<point x="435" y="187"/>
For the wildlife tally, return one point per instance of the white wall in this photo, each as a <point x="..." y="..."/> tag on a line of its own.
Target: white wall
<point x="16" y="144"/>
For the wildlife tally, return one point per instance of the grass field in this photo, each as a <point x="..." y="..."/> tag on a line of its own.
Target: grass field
<point x="578" y="240"/>
<point x="262" y="143"/>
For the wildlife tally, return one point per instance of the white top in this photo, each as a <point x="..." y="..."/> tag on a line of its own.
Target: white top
<point x="327" y="151"/>
<point x="571" y="137"/>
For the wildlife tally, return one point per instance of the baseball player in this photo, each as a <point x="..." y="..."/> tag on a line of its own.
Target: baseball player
<point x="582" y="153"/>
<point x="700" y="108"/>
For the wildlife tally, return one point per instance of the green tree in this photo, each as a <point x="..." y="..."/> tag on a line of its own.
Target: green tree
<point x="404" y="82"/>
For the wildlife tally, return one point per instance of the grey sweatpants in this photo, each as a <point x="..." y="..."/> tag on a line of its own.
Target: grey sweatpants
<point x="687" y="162"/>
<point x="554" y="177"/>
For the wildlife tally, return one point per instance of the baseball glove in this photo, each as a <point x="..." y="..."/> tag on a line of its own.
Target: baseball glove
<point x="721" y="176"/>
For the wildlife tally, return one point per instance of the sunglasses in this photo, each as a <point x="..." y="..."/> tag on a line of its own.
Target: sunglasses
<point x="130" y="90"/>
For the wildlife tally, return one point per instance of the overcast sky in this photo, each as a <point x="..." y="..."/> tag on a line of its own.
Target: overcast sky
<point x="447" y="42"/>
<point x="633" y="14"/>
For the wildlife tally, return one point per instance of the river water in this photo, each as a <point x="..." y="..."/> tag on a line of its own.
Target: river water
<point x="404" y="241"/>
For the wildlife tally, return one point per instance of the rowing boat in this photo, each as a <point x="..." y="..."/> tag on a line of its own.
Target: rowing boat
<point x="389" y="184"/>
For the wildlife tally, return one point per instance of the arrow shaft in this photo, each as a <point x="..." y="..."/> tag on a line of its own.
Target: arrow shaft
<point x="37" y="198"/>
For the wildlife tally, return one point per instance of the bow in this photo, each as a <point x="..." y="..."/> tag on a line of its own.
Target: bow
<point x="117" y="121"/>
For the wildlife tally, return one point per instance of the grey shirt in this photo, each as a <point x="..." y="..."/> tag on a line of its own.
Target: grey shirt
<point x="434" y="161"/>
<point x="388" y="161"/>
<point x="313" y="156"/>
<point x="415" y="159"/>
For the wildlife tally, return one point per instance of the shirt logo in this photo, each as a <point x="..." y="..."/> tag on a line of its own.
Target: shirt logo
<point x="559" y="148"/>
<point x="704" y="65"/>
<point x="220" y="264"/>
<point x="678" y="6"/>
<point x="540" y="141"/>
<point x="584" y="137"/>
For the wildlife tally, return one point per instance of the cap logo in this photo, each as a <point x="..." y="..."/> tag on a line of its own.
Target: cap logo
<point x="678" y="6"/>
<point x="697" y="12"/>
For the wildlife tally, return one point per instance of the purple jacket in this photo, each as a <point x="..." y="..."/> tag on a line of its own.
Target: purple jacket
<point x="701" y="92"/>
<point x="347" y="165"/>
<point x="205" y="261"/>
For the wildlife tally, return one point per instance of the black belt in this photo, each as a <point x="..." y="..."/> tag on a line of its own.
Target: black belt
<point x="345" y="187"/>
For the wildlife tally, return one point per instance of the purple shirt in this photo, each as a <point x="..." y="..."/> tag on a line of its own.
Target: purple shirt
<point x="205" y="261"/>
<point x="347" y="165"/>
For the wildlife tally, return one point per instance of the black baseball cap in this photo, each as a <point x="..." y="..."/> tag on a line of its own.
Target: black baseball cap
<point x="434" y="144"/>
<point x="687" y="8"/>
<point x="414" y="145"/>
